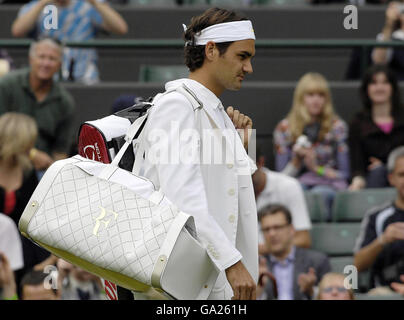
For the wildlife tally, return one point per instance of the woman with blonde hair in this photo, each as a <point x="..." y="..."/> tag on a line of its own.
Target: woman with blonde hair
<point x="310" y="144"/>
<point x="18" y="180"/>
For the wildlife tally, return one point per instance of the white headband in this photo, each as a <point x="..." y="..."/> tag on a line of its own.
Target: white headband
<point x="225" y="32"/>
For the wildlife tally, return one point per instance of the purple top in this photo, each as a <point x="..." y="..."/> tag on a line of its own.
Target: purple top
<point x="332" y="152"/>
<point x="386" y="127"/>
<point x="283" y="273"/>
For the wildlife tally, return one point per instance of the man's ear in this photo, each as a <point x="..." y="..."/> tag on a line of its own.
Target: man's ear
<point x="292" y="230"/>
<point x="210" y="50"/>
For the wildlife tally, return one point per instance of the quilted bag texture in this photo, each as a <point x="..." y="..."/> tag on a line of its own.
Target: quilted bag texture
<point x="101" y="222"/>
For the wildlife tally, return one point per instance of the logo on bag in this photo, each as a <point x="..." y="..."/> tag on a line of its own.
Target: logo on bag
<point x="99" y="219"/>
<point x="91" y="150"/>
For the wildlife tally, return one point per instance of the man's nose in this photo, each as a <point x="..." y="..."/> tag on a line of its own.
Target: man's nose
<point x="248" y="67"/>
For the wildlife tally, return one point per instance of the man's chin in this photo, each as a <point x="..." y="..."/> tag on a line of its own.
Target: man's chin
<point x="235" y="87"/>
<point x="275" y="250"/>
<point x="45" y="77"/>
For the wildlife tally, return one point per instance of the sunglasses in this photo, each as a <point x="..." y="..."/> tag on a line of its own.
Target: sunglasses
<point x="339" y="289"/>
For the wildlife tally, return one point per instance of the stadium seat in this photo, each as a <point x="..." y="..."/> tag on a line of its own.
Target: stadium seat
<point x="365" y="296"/>
<point x="316" y="206"/>
<point x="338" y="263"/>
<point x="334" y="239"/>
<point x="162" y="3"/>
<point x="195" y="2"/>
<point x="155" y="73"/>
<point x="232" y="3"/>
<point x="351" y="206"/>
<point x="279" y="2"/>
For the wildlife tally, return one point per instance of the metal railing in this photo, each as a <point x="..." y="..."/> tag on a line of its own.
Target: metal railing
<point x="178" y="43"/>
<point x="364" y="44"/>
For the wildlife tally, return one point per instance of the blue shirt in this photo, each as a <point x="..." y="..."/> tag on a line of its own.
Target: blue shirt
<point x="79" y="21"/>
<point x="283" y="273"/>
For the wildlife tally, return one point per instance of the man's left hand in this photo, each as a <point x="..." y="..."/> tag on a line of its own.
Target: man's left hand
<point x="399" y="287"/>
<point x="242" y="123"/>
<point x="310" y="159"/>
<point x="307" y="281"/>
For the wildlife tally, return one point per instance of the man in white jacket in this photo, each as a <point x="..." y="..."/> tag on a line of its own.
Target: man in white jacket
<point x="218" y="52"/>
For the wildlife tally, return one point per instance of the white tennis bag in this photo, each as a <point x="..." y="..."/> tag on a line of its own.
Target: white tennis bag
<point x="116" y="225"/>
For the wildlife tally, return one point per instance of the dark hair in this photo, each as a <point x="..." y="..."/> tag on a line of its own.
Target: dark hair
<point x="368" y="79"/>
<point x="274" y="209"/>
<point x="34" y="278"/>
<point x="195" y="55"/>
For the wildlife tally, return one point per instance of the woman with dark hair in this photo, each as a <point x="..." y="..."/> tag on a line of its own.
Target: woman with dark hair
<point x="377" y="129"/>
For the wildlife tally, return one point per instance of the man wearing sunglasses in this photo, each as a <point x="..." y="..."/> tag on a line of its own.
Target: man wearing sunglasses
<point x="294" y="271"/>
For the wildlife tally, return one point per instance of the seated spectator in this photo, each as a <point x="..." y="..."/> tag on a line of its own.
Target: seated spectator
<point x="310" y="144"/>
<point x="78" y="21"/>
<point x="393" y="29"/>
<point x="124" y="101"/>
<point x="33" y="287"/>
<point x="78" y="284"/>
<point x="32" y="91"/>
<point x="8" y="290"/>
<point x="18" y="180"/>
<point x="376" y="130"/>
<point x="274" y="187"/>
<point x="380" y="244"/>
<point x="332" y="287"/>
<point x="10" y="242"/>
<point x="295" y="271"/>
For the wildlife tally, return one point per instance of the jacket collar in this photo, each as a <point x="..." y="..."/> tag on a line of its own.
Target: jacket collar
<point x="289" y="259"/>
<point x="53" y="93"/>
<point x="209" y="100"/>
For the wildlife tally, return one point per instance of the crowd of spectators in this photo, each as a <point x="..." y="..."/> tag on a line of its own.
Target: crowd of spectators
<point x="81" y="21"/>
<point x="316" y="151"/>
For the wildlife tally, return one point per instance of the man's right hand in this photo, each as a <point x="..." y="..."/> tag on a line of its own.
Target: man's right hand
<point x="243" y="285"/>
<point x="46" y="2"/>
<point x="7" y="281"/>
<point x="393" y="232"/>
<point x="392" y="13"/>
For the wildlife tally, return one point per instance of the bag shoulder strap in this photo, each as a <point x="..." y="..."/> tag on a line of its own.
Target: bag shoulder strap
<point x="196" y="105"/>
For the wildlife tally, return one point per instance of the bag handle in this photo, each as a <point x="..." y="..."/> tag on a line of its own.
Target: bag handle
<point x="132" y="133"/>
<point x="196" y="104"/>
